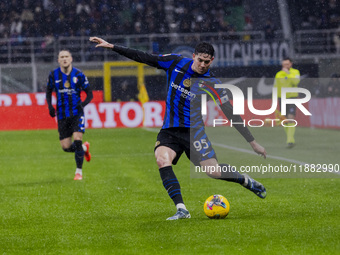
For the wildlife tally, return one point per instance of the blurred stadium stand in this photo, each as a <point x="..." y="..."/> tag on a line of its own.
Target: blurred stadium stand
<point x="36" y="30"/>
<point x="33" y="31"/>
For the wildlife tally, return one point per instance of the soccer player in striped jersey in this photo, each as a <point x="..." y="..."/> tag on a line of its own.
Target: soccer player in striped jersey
<point x="68" y="82"/>
<point x="183" y="125"/>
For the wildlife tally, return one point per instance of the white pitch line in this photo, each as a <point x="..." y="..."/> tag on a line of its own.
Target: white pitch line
<point x="252" y="152"/>
<point x="268" y="156"/>
<point x="153" y="130"/>
<point x="249" y="151"/>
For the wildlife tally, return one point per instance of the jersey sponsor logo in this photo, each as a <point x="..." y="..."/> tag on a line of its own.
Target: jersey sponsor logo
<point x="185" y="93"/>
<point x="178" y="71"/>
<point x="57" y="81"/>
<point x="68" y="91"/>
<point x="67" y="84"/>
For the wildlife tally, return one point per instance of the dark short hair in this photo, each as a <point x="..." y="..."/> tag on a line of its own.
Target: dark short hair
<point x="204" y="47"/>
<point x="287" y="58"/>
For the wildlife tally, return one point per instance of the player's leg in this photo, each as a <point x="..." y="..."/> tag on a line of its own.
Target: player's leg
<point x="79" y="154"/>
<point x="228" y="173"/>
<point x="65" y="135"/>
<point x="290" y="126"/>
<point x="78" y="127"/>
<point x="167" y="152"/>
<point x="222" y="171"/>
<point x="290" y="130"/>
<point x="164" y="157"/>
<point x="283" y="117"/>
<point x="67" y="145"/>
<point x="203" y="154"/>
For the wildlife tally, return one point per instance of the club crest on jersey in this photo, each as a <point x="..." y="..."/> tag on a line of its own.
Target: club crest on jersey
<point x="187" y="83"/>
<point x="75" y="79"/>
<point x="67" y="84"/>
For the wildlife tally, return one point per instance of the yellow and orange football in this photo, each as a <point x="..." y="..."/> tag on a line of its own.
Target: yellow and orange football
<point x="216" y="207"/>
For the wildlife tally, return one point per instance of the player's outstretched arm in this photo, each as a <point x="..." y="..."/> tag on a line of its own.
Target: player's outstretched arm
<point x="136" y="55"/>
<point x="227" y="109"/>
<point x="258" y="148"/>
<point x="101" y="42"/>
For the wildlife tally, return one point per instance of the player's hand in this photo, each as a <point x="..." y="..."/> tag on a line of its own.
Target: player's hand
<point x="285" y="70"/>
<point x="51" y="111"/>
<point x="101" y="42"/>
<point x="258" y="149"/>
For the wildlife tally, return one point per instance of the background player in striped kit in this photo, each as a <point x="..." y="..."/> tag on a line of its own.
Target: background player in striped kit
<point x="174" y="137"/>
<point x="68" y="82"/>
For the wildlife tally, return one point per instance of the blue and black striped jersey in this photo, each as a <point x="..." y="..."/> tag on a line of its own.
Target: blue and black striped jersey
<point x="183" y="108"/>
<point x="67" y="88"/>
<point x="185" y="87"/>
<point x="183" y="102"/>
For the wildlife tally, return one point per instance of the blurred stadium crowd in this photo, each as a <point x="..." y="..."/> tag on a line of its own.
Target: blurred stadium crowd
<point x="38" y="18"/>
<point x="319" y="14"/>
<point x="50" y="19"/>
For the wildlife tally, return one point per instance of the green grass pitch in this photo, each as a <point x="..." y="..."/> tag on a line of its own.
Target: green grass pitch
<point x="120" y="206"/>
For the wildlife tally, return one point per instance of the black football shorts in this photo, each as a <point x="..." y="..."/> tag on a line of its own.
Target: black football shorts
<point x="67" y="126"/>
<point x="197" y="149"/>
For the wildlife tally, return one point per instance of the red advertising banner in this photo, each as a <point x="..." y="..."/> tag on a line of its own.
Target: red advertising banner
<point x="29" y="111"/>
<point x="124" y="114"/>
<point x="326" y="112"/>
<point x="25" y="111"/>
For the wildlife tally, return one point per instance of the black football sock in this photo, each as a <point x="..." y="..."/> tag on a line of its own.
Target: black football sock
<point x="71" y="149"/>
<point x="229" y="173"/>
<point x="79" y="153"/>
<point x="171" y="184"/>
